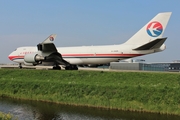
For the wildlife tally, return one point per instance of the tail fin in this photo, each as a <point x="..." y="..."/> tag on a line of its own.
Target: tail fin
<point x="153" y="30"/>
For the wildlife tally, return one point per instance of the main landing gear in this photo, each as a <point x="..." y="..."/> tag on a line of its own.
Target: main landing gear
<point x="56" y="67"/>
<point x="71" y="67"/>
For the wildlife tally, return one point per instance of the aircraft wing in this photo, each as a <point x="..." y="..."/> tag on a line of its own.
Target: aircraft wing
<point x="157" y="43"/>
<point x="47" y="46"/>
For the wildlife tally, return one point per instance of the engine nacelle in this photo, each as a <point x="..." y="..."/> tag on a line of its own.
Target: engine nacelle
<point x="33" y="58"/>
<point x="28" y="64"/>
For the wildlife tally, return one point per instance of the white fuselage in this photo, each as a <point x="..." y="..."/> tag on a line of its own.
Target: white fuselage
<point x="87" y="55"/>
<point x="146" y="41"/>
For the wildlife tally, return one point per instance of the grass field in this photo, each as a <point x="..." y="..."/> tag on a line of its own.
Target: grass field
<point x="134" y="91"/>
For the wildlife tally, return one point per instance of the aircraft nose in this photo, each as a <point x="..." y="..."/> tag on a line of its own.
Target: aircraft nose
<point x="10" y="56"/>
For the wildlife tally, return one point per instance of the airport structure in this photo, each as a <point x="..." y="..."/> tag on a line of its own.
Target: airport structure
<point x="141" y="65"/>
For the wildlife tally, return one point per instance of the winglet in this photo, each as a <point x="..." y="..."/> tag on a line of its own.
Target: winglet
<point x="50" y="39"/>
<point x="47" y="45"/>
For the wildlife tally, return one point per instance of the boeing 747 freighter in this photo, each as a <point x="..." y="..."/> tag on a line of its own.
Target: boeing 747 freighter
<point x="149" y="39"/>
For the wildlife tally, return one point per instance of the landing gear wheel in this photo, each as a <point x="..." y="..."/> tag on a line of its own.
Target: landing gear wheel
<point x="71" y="67"/>
<point x="75" y="67"/>
<point x="67" y="68"/>
<point x="56" y="67"/>
<point x="20" y="66"/>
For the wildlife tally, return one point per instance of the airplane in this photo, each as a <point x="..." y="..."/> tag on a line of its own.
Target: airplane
<point x="147" y="40"/>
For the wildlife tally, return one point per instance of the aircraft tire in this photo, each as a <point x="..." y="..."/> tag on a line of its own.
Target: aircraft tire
<point x="72" y="67"/>
<point x="56" y="68"/>
<point x="20" y="66"/>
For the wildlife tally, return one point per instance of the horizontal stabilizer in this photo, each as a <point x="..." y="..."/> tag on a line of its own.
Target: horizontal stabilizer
<point x="157" y="43"/>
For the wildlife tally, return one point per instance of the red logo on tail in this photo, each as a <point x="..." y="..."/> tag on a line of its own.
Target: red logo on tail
<point x="51" y="38"/>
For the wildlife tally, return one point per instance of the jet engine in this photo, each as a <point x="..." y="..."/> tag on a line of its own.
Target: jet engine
<point x="33" y="58"/>
<point x="29" y="64"/>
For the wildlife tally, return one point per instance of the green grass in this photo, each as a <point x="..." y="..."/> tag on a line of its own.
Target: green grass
<point x="136" y="91"/>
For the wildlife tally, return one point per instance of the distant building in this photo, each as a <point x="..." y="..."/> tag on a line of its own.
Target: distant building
<point x="140" y="64"/>
<point x="174" y="67"/>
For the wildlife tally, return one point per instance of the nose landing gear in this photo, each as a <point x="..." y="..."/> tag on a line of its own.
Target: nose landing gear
<point x="20" y="65"/>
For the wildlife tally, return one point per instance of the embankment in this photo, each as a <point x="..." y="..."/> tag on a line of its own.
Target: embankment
<point x="135" y="91"/>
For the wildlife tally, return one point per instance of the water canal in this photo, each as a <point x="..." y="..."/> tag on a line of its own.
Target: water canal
<point x="32" y="110"/>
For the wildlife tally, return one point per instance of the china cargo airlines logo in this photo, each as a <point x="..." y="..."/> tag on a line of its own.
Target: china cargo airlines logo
<point x="154" y="29"/>
<point x="51" y="38"/>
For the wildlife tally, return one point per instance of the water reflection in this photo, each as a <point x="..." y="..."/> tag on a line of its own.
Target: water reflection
<point x="32" y="110"/>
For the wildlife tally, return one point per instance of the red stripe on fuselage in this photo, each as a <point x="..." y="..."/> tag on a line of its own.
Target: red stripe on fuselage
<point x="83" y="55"/>
<point x="86" y="55"/>
<point x="15" y="57"/>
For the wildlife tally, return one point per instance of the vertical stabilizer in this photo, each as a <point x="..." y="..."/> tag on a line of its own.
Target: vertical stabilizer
<point x="154" y="29"/>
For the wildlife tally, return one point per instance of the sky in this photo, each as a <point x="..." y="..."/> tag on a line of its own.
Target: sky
<point x="84" y="22"/>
